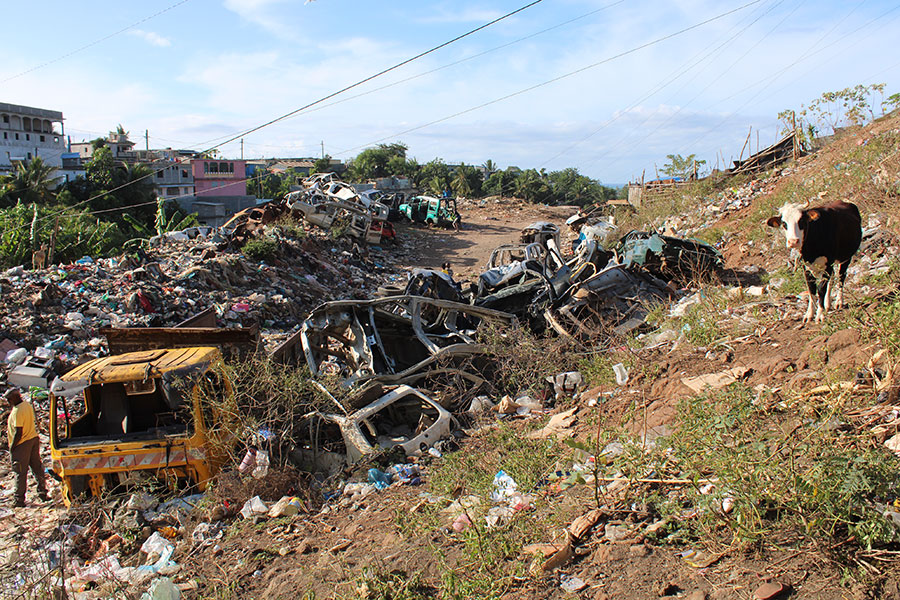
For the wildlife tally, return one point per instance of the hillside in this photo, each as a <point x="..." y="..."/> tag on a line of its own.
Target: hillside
<point x="776" y="480"/>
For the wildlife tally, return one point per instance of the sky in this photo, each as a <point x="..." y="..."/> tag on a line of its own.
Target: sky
<point x="607" y="86"/>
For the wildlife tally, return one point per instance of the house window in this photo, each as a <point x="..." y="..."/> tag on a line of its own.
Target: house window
<point x="223" y="167"/>
<point x="6" y="118"/>
<point x="184" y="173"/>
<point x="29" y="156"/>
<point x="206" y="168"/>
<point x="159" y="174"/>
<point x="213" y="167"/>
<point x="27" y="137"/>
<point x="17" y="136"/>
<point x="172" y="191"/>
<point x="43" y="139"/>
<point x="5" y="135"/>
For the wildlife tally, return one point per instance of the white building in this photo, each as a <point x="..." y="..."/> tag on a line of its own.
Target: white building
<point x="26" y="133"/>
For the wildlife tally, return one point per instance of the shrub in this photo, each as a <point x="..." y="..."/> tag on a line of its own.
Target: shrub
<point x="261" y="249"/>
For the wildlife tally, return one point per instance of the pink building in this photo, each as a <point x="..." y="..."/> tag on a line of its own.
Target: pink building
<point x="219" y="177"/>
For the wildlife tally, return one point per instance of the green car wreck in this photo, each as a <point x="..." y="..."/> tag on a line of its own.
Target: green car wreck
<point x="432" y="211"/>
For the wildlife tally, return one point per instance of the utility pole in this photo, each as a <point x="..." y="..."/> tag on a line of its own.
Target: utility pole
<point x="242" y="148"/>
<point x="794" y="141"/>
<point x="146" y="139"/>
<point x="323" y="148"/>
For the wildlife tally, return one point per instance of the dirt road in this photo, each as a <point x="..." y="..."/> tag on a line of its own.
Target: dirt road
<point x="485" y="225"/>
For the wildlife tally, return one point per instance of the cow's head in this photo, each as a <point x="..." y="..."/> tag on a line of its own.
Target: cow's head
<point x="793" y="219"/>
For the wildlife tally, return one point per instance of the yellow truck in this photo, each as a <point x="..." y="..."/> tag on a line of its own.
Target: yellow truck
<point x="154" y="413"/>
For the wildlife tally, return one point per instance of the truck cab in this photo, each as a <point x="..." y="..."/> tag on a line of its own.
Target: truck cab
<point x="160" y="414"/>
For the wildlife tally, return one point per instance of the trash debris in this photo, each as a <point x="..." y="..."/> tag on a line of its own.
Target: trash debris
<point x="769" y="590"/>
<point x="129" y="413"/>
<point x="402" y="416"/>
<point x="162" y="588"/>
<point x="254" y="506"/>
<point x="570" y="583"/>
<point x="621" y="373"/>
<point x="380" y="479"/>
<point x="287" y="506"/>
<point x="566" y="384"/>
<point x="461" y="523"/>
<point x="559" y="426"/>
<point x="391" y="340"/>
<point x="715" y="381"/>
<point x="157" y="548"/>
<point x="504" y="487"/>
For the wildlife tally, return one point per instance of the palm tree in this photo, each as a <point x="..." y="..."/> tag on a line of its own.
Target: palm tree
<point x="460" y="184"/>
<point x="489" y="167"/>
<point x="31" y="183"/>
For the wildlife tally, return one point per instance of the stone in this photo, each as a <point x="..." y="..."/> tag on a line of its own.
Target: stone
<point x="639" y="550"/>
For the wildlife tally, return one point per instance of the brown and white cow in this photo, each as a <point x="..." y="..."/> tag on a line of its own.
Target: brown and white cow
<point x="823" y="235"/>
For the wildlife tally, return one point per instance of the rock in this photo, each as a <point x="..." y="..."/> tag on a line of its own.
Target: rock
<point x="696" y="595"/>
<point x="639" y="550"/>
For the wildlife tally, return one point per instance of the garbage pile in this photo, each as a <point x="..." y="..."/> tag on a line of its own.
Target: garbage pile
<point x="56" y="313"/>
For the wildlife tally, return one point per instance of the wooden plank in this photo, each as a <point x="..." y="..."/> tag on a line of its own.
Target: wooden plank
<point x="231" y="341"/>
<point x="290" y="351"/>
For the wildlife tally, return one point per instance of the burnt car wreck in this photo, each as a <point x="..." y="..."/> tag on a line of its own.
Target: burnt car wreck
<point x="392" y="354"/>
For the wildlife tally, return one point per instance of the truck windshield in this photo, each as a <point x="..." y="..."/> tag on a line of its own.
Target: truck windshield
<point x="121" y="412"/>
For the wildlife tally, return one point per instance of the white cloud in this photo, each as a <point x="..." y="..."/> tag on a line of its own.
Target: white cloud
<point x="151" y="37"/>
<point x="264" y="14"/>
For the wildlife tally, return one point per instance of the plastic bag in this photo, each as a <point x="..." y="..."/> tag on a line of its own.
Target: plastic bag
<point x="504" y="487"/>
<point x="254" y="506"/>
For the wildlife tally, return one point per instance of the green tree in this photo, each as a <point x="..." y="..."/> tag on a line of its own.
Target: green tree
<point x="501" y="183"/>
<point x="265" y="184"/>
<point x="99" y="170"/>
<point x="435" y="174"/>
<point x="489" y="167"/>
<point x="460" y="184"/>
<point x="375" y="162"/>
<point x="31" y="183"/>
<point x="682" y="166"/>
<point x="321" y="165"/>
<point x="531" y="186"/>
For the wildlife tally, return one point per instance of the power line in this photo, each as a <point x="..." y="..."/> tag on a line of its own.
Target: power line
<point x="95" y="42"/>
<point x="662" y="86"/>
<point x="460" y="61"/>
<point x="703" y="90"/>
<point x="380" y="73"/>
<point x="810" y="52"/>
<point x="329" y="96"/>
<point x="555" y="79"/>
<point x="771" y="78"/>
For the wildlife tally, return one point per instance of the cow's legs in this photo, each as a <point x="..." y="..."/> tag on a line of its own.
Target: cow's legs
<point x="824" y="301"/>
<point x="842" y="275"/>
<point x="811" y="292"/>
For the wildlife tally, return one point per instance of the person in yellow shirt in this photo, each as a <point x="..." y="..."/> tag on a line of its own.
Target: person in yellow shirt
<point x="24" y="446"/>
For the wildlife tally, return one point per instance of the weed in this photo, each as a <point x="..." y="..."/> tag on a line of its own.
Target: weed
<point x="263" y="248"/>
<point x="379" y="584"/>
<point x="502" y="448"/>
<point x="810" y="477"/>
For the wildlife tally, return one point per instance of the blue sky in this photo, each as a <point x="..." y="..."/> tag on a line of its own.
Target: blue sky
<point x="204" y="70"/>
